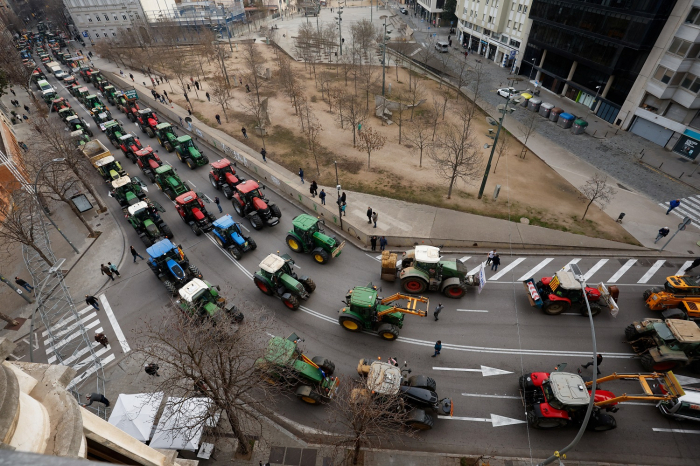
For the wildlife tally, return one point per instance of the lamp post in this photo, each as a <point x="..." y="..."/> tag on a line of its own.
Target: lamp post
<point x="340" y="29"/>
<point x="337" y="186"/>
<point x="533" y="68"/>
<point x="41" y="208"/>
<point x="597" y="90"/>
<point x="384" y="53"/>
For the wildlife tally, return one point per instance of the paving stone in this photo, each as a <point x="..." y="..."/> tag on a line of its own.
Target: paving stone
<point x="293" y="457"/>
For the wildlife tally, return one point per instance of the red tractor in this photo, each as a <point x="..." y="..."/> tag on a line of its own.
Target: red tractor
<point x="148" y="161"/>
<point x="192" y="211"/>
<point x="248" y="201"/>
<point x="223" y="177"/>
<point x="147" y="121"/>
<point x="130" y="107"/>
<point x="129" y="144"/>
<point x="59" y="104"/>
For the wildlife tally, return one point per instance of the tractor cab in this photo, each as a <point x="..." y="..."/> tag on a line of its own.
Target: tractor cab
<point x="123" y="189"/>
<point x="278" y="269"/>
<point x="250" y="191"/>
<point x="59" y="104"/>
<point x="82" y="93"/>
<point x="109" y="92"/>
<point x="66" y="113"/>
<point x="223" y="172"/>
<point x="109" y="168"/>
<point x="75" y="123"/>
<point x="102" y="117"/>
<point x="129" y="142"/>
<point x="683" y="284"/>
<point x="69" y="81"/>
<point x="230" y="232"/>
<point x="95" y="76"/>
<point x="427" y="259"/>
<point x="186" y="143"/>
<point x="197" y="295"/>
<point x="307" y="235"/>
<point x="166" y="254"/>
<point x="165" y="128"/>
<point x="91" y="101"/>
<point x="146" y="156"/>
<point x="49" y="95"/>
<point x="384" y="378"/>
<point x="79" y="138"/>
<point x="102" y="85"/>
<point x="147" y="117"/>
<point x="564" y="285"/>
<point x="111" y="128"/>
<point x="143" y="212"/>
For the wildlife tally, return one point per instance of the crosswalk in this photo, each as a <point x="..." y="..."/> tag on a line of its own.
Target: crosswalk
<point x="690" y="207"/>
<point x="627" y="271"/>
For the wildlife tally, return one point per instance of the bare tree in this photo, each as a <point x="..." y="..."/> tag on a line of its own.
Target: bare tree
<point x="370" y="141"/>
<point x="11" y="64"/>
<point x="528" y="126"/>
<point x="418" y="134"/>
<point x="417" y="93"/>
<point x="400" y="112"/>
<point x="221" y="92"/>
<point x="257" y="112"/>
<point x="462" y="72"/>
<point x="502" y="147"/>
<point x="254" y="65"/>
<point x="182" y="69"/>
<point x="355" y="114"/>
<point x="20" y="218"/>
<point x="312" y="129"/>
<point x="597" y="190"/>
<point x="434" y="113"/>
<point x="446" y="95"/>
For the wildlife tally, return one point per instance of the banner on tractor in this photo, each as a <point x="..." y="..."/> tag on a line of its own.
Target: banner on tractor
<point x="607" y="297"/>
<point x="131" y="94"/>
<point x="482" y="277"/>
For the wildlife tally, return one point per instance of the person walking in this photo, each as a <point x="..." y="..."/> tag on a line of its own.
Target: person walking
<point x="101" y="338"/>
<point x="196" y="84"/>
<point x="437" y="311"/>
<point x="438" y="348"/>
<point x="153" y="93"/>
<point x="343" y="198"/>
<point x="695" y="263"/>
<point x="663" y="232"/>
<point x="13" y="92"/>
<point x="24" y="284"/>
<point x="106" y="271"/>
<point x="301" y="175"/>
<point x="375" y="216"/>
<point x="218" y="118"/>
<point x="134" y="253"/>
<point x="322" y="196"/>
<point x="165" y="93"/>
<point x="92" y="301"/>
<point x="26" y="108"/>
<point x="120" y="72"/>
<point x="132" y="77"/>
<point x="342" y="209"/>
<point x="96" y="398"/>
<point x="599" y="359"/>
<point x="152" y="369"/>
<point x="113" y="268"/>
<point x="245" y="133"/>
<point x="369" y="215"/>
<point x="208" y="97"/>
<point x="373" y="242"/>
<point x="186" y="97"/>
<point x="672" y="205"/>
<point x="247" y="88"/>
<point x="382" y="243"/>
<point x="495" y="262"/>
<point x="313" y="188"/>
<point x="217" y="201"/>
<point x="188" y="88"/>
<point x="489" y="257"/>
<point x="189" y="110"/>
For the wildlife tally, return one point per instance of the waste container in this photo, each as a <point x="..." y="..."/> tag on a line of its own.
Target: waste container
<point x="534" y="104"/>
<point x="526" y="98"/>
<point x="554" y="114"/>
<point x="566" y="120"/>
<point x="545" y="108"/>
<point x="579" y="126"/>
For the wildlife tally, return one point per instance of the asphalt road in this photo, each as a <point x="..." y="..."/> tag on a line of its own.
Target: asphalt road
<point x="497" y="329"/>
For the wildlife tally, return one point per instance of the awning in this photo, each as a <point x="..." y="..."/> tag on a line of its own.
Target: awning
<point x="180" y="426"/>
<point x="135" y="414"/>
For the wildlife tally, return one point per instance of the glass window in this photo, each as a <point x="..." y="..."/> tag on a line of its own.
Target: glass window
<point x="509" y="23"/>
<point x="520" y="27"/>
<point x="691" y="82"/>
<point x="504" y="39"/>
<point x="116" y="18"/>
<point x="490" y="19"/>
<point x="693" y="17"/>
<point x="98" y="18"/>
<point x="679" y="47"/>
<point x="677" y="78"/>
<point x="524" y="9"/>
<point x="512" y="7"/>
<point x="515" y="43"/>
<point x="663" y="74"/>
<point x="520" y="8"/>
<point x="89" y="20"/>
<point x="106" y="18"/>
<point x="137" y="16"/>
<point x="124" y="16"/>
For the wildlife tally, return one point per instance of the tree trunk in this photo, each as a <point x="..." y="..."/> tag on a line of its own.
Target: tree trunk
<point x="356" y="452"/>
<point x="243" y="445"/>
<point x="8" y="319"/>
<point x="589" y="204"/>
<point x="41" y="253"/>
<point x="420" y="161"/>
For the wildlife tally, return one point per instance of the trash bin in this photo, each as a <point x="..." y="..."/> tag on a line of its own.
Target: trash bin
<point x="534" y="104"/>
<point x="579" y="126"/>
<point x="565" y="120"/>
<point x="545" y="108"/>
<point x="526" y="98"/>
<point x="554" y="114"/>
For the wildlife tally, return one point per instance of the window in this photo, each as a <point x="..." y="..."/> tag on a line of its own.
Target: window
<point x="509" y="23"/>
<point x="124" y="16"/>
<point x="487" y="33"/>
<point x="106" y="18"/>
<point x="487" y="2"/>
<point x="89" y="20"/>
<point x="524" y="9"/>
<point x="512" y="7"/>
<point x="520" y="8"/>
<point x="116" y="18"/>
<point x="495" y="36"/>
<point x="663" y="74"/>
<point x="679" y="47"/>
<point x="483" y="17"/>
<point x="504" y="39"/>
<point x="490" y="19"/>
<point x="691" y="82"/>
<point x="515" y="43"/>
<point x="520" y="27"/>
<point x="495" y="4"/>
<point x="98" y="18"/>
<point x="114" y="34"/>
<point x="137" y="16"/>
<point x="693" y="17"/>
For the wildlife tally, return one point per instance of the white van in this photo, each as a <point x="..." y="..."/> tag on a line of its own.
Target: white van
<point x="442" y="47"/>
<point x="44" y="85"/>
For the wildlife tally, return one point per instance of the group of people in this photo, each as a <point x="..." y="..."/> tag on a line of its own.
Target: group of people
<point x="493" y="259"/>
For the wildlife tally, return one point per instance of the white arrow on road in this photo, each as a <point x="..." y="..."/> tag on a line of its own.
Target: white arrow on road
<point x="485" y="371"/>
<point x="683" y="380"/>
<point x="495" y="420"/>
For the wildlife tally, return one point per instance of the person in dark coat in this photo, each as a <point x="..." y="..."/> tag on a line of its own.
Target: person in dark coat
<point x="373" y="242"/>
<point x="695" y="263"/>
<point x="101" y="338"/>
<point x="663" y="232"/>
<point x="106" y="271"/>
<point x="24" y="284"/>
<point x="312" y="189"/>
<point x="672" y="205"/>
<point x="343" y="198"/>
<point x="438" y="348"/>
<point x="152" y="369"/>
<point x="245" y="132"/>
<point x="322" y="196"/>
<point x="369" y="215"/>
<point x="495" y="262"/>
<point x="92" y="301"/>
<point x="263" y="152"/>
<point x="134" y="253"/>
<point x="96" y="398"/>
<point x="437" y="311"/>
<point x="382" y="243"/>
<point x="599" y="359"/>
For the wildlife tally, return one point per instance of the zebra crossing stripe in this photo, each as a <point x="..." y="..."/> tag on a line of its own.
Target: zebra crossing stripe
<point x="595" y="268"/>
<point x="63" y="322"/>
<point x="72" y="327"/>
<point x="628" y="265"/>
<point x="535" y="269"/>
<point x="465" y="259"/>
<point x="681" y="271"/>
<point x="72" y="337"/>
<point x="573" y="261"/>
<point x="650" y="273"/>
<point x="78" y="355"/>
<point x="474" y="270"/>
<point x="89" y="372"/>
<point x="508" y="268"/>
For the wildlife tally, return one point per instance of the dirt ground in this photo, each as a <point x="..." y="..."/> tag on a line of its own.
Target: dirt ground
<point x="529" y="187"/>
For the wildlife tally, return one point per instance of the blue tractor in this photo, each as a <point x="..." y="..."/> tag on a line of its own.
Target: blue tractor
<point x="229" y="236"/>
<point x="171" y="265"/>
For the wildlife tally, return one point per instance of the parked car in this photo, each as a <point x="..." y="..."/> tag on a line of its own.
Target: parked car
<point x="403" y="11"/>
<point x="442" y="47"/>
<point x="507" y="92"/>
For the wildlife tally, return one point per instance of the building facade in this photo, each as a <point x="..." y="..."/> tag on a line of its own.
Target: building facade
<point x="494" y="29"/>
<point x="592" y="51"/>
<point x="429" y="10"/>
<point x="13" y="173"/>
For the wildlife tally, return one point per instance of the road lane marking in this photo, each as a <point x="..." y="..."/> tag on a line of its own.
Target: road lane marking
<point x="475" y="269"/>
<point x="503" y="397"/>
<point x="465" y="259"/>
<point x="190" y="182"/>
<point x="471" y="310"/>
<point x="650" y="273"/>
<point x="235" y="262"/>
<point x="72" y="327"/>
<point x="508" y="268"/>
<point x="485" y="370"/>
<point x="90" y="371"/>
<point x="535" y="269"/>
<point x="376" y="258"/>
<point x="681" y="271"/>
<point x="594" y="269"/>
<point x="628" y="265"/>
<point x="676" y="431"/>
<point x="495" y="420"/>
<point x="62" y="322"/>
<point x="115" y="325"/>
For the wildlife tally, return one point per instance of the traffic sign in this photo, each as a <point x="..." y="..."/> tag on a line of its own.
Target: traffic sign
<point x="686" y="221"/>
<point x="85" y="34"/>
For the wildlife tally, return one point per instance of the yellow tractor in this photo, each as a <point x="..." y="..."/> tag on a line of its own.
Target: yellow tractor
<point x="679" y="298"/>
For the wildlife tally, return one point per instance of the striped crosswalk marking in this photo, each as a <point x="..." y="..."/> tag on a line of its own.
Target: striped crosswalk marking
<point x="531" y="273"/>
<point x="681" y="271"/>
<point x="595" y="268"/>
<point x="474" y="270"/>
<point x="573" y="261"/>
<point x="628" y="265"/>
<point x="464" y="259"/>
<point x="508" y="268"/>
<point x="650" y="273"/>
<point x="67" y="320"/>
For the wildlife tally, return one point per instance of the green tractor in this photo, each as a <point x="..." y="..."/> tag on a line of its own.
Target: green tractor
<point x="114" y="132"/>
<point x="366" y="311"/>
<point x="110" y="92"/>
<point x="187" y="152"/>
<point x="284" y="363"/>
<point x="127" y="191"/>
<point x="166" y="136"/>
<point x="665" y="345"/>
<point x="65" y="113"/>
<point x="75" y="123"/>
<point x="110" y="169"/>
<point x="146" y="220"/>
<point x="276" y="277"/>
<point x="169" y="182"/>
<point x="201" y="300"/>
<point x="308" y="236"/>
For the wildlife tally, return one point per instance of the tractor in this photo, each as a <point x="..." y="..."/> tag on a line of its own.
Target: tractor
<point x="148" y="161"/>
<point x="73" y="89"/>
<point x="276" y="277"/>
<point x="129" y="144"/>
<point x="127" y="191"/>
<point x="311" y="378"/>
<point x="64" y="113"/>
<point x="147" y="120"/>
<point x="559" y="399"/>
<point x="95" y="77"/>
<point x="171" y="265"/>
<point x="145" y="219"/>
<point x="557" y="294"/>
<point x="192" y="211"/>
<point x="69" y="81"/>
<point x="101" y="116"/>
<point x="75" y="123"/>
<point x="166" y="136"/>
<point x="109" y="168"/>
<point x="415" y="395"/>
<point x="110" y="93"/>
<point x="199" y="299"/>
<point x="114" y="131"/>
<point x="79" y="138"/>
<point x="81" y="94"/>
<point x="128" y="106"/>
<point x="366" y="311"/>
<point x="85" y="73"/>
<point x="665" y="345"/>
<point x="229" y="237"/>
<point x="102" y="85"/>
<point x="308" y="236"/>
<point x="49" y="96"/>
<point x="679" y="299"/>
<point x="188" y="153"/>
<point x="59" y="104"/>
<point x="249" y="202"/>
<point x="168" y="181"/>
<point x="223" y="177"/>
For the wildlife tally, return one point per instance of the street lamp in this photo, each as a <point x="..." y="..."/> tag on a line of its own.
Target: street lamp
<point x="384" y="17"/>
<point x="41" y="208"/>
<point x="337" y="186"/>
<point x="597" y="90"/>
<point x="533" y="68"/>
<point x="340" y="29"/>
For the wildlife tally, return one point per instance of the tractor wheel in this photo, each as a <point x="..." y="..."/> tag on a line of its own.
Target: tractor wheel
<point x="554" y="308"/>
<point x="255" y="221"/>
<point x="151" y="177"/>
<point x="595" y="309"/>
<point x="205" y="160"/>
<point x="650" y="365"/>
<point x="311" y="398"/>
<point x="147" y="241"/>
<point x="292" y="302"/>
<point x="420" y="420"/>
<point x="326" y="365"/>
<point x="427" y="383"/>
<point x="170" y="193"/>
<point x="413" y="285"/>
<point x="228" y="193"/>
<point x="601" y="422"/>
<point x="321" y="256"/>
<point x="694" y="366"/>
<point x="213" y="182"/>
<point x="388" y="332"/>
<point x="351" y="324"/>
<point x="131" y="157"/>
<point x="195" y="271"/>
<point x="308" y="285"/>
<point x="179" y="156"/>
<point x="150" y="132"/>
<point x="276" y="212"/>
<point x="89" y="132"/>
<point x="131" y="117"/>
<point x="220" y="242"/>
<point x="252" y="243"/>
<point x="191" y="163"/>
<point x="294" y="244"/>
<point x="167" y="232"/>
<point x="544" y="422"/>
<point x="262" y="286"/>
<point x="170" y="287"/>
<point x="197" y="231"/>
<point x="235" y="252"/>
<point x="168" y="146"/>
<point x="631" y="332"/>
<point x="114" y="143"/>
<point x="454" y="291"/>
<point x="237" y="207"/>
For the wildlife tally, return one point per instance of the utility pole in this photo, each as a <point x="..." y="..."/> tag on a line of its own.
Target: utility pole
<point x="337" y="186"/>
<point x="384" y="54"/>
<point x="340" y="29"/>
<point x="15" y="289"/>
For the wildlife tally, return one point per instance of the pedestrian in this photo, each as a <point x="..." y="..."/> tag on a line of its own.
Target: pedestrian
<point x="673" y="204"/>
<point x="301" y="175"/>
<point x="489" y="258"/>
<point x="188" y="87"/>
<point x="157" y="82"/>
<point x="101" y="338"/>
<point x="13" y="92"/>
<point x="311" y="190"/>
<point x="373" y="242"/>
<point x="438" y="310"/>
<point x="92" y="301"/>
<point x="599" y="359"/>
<point x="165" y="93"/>
<point x="134" y="253"/>
<point x="132" y="77"/>
<point x="25" y="117"/>
<point x="208" y="97"/>
<point x="263" y="152"/>
<point x="342" y="209"/>
<point x="186" y="98"/>
<point x="369" y="215"/>
<point x="189" y="110"/>
<point x="495" y="262"/>
<point x="152" y="369"/>
<point x="663" y="232"/>
<point x="24" y="284"/>
<point x="375" y="216"/>
<point x="181" y="123"/>
<point x="695" y="263"/>
<point x="218" y="204"/>
<point x="359" y="127"/>
<point x="196" y="84"/>
<point x="218" y="118"/>
<point x="153" y="93"/>
<point x="322" y="196"/>
<point x="120" y="72"/>
<point x="113" y="268"/>
<point x="23" y="146"/>
<point x="26" y="108"/>
<point x="240" y="80"/>
<point x="438" y="347"/>
<point x="343" y="198"/>
<point x="247" y="88"/>
<point x="153" y="82"/>
<point x="314" y="188"/>
<point x="96" y="398"/>
<point x="382" y="243"/>
<point x="245" y="132"/>
<point x="106" y="271"/>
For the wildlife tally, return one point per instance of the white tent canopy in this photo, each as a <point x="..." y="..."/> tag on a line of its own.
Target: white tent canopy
<point x="180" y="426"/>
<point x="135" y="414"/>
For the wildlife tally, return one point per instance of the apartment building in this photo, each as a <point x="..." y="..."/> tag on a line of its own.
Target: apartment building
<point x="430" y="10"/>
<point x="495" y="29"/>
